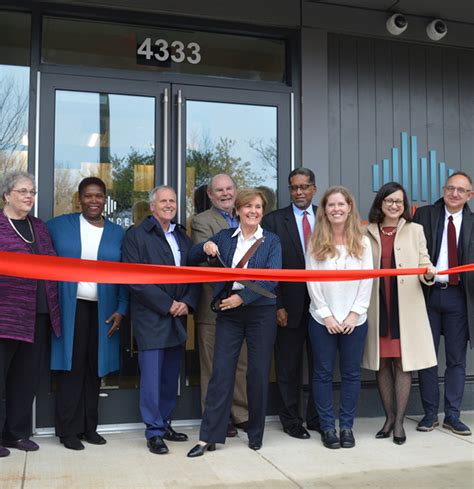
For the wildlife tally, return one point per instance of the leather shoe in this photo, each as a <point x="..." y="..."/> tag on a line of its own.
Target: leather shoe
<point x="399" y="440"/>
<point x="255" y="445"/>
<point x="231" y="430"/>
<point x="157" y="445"/>
<point x="297" y="431"/>
<point x="26" y="445"/>
<point x="347" y="439"/>
<point x="4" y="452"/>
<point x="172" y="435"/>
<point x="198" y="450"/>
<point x="94" y="438"/>
<point x="384" y="434"/>
<point x="330" y="439"/>
<point x="72" y="442"/>
<point x="242" y="426"/>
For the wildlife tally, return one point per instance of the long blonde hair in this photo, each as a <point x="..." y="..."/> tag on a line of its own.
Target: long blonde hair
<point x="322" y="241"/>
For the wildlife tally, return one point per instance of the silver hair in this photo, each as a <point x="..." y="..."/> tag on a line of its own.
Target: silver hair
<point x="211" y="181"/>
<point x="10" y="180"/>
<point x="151" y="195"/>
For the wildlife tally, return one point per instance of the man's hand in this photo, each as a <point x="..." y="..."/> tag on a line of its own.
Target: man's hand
<point x="231" y="302"/>
<point x="282" y="317"/>
<point x="115" y="319"/>
<point x="178" y="309"/>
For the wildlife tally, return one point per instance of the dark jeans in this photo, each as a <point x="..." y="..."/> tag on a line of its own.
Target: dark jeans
<point x="325" y="347"/>
<point x="21" y="364"/>
<point x="256" y="324"/>
<point x="447" y="312"/>
<point x="159" y="374"/>
<point x="77" y="390"/>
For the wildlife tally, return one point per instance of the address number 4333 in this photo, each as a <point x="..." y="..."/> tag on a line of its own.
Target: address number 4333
<point x="162" y="50"/>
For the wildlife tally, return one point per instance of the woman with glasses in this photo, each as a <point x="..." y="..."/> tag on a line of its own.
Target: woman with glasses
<point x="28" y="310"/>
<point x="399" y="339"/>
<point x="338" y="310"/>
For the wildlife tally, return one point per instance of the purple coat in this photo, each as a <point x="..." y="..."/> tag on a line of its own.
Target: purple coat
<point x="18" y="295"/>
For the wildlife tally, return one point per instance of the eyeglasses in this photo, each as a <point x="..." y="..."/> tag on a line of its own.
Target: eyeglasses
<point x="450" y="189"/>
<point x="304" y="187"/>
<point x="390" y="202"/>
<point x="24" y="192"/>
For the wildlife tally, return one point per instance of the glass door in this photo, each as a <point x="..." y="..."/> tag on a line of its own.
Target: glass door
<point x="113" y="130"/>
<point x="239" y="132"/>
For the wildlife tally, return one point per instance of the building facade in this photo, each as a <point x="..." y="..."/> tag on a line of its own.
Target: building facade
<point x="143" y="92"/>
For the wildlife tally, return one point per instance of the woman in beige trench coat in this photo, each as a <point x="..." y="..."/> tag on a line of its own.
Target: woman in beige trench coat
<point x="399" y="338"/>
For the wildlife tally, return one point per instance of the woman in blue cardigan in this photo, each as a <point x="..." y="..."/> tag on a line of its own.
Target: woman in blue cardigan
<point x="90" y="317"/>
<point x="242" y="314"/>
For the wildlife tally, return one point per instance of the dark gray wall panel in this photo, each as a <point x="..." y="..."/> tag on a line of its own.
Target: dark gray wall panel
<point x="424" y="91"/>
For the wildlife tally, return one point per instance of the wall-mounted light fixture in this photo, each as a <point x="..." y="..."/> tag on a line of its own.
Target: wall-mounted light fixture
<point x="436" y="29"/>
<point x="396" y="24"/>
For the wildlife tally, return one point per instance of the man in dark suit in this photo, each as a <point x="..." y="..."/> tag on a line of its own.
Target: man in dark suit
<point x="294" y="224"/>
<point x="159" y="315"/>
<point x="221" y="215"/>
<point x="449" y="231"/>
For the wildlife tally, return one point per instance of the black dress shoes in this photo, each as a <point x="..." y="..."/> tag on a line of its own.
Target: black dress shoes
<point x="384" y="434"/>
<point x="330" y="439"/>
<point x="347" y="439"/>
<point x="297" y="431"/>
<point x="72" y="442"/>
<point x="94" y="438"/>
<point x="255" y="445"/>
<point x="400" y="440"/>
<point x="231" y="430"/>
<point x="157" y="445"/>
<point x="172" y="435"/>
<point x="198" y="450"/>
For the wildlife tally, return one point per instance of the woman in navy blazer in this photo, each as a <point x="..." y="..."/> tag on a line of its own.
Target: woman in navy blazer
<point x="89" y="346"/>
<point x="244" y="314"/>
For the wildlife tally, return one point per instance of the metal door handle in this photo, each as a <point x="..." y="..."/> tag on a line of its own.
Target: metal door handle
<point x="165" y="104"/>
<point x="179" y="145"/>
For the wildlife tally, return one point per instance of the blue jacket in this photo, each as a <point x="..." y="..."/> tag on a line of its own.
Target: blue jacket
<point x="153" y="326"/>
<point x="65" y="234"/>
<point x="268" y="255"/>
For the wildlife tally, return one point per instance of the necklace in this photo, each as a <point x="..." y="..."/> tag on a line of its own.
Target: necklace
<point x="18" y="232"/>
<point x="388" y="233"/>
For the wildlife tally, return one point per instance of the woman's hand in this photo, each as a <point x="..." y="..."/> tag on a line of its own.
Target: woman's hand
<point x="210" y="248"/>
<point x="350" y="322"/>
<point x="430" y="274"/>
<point x="115" y="319"/>
<point x="332" y="325"/>
<point x="231" y="302"/>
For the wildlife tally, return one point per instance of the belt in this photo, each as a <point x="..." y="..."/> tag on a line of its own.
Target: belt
<point x="444" y="285"/>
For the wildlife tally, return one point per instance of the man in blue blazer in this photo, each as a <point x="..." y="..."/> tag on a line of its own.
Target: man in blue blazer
<point x="159" y="315"/>
<point x="293" y="302"/>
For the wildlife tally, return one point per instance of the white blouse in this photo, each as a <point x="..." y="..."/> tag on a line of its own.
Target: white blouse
<point x="338" y="299"/>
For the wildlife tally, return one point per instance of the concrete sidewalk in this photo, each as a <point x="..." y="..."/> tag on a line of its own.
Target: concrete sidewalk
<point x="438" y="459"/>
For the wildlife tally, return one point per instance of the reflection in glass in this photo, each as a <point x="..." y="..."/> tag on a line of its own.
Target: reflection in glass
<point x="109" y="136"/>
<point x="237" y="139"/>
<point x="14" y="83"/>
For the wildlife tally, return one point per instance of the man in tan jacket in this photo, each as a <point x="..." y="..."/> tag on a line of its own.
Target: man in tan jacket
<point x="221" y="192"/>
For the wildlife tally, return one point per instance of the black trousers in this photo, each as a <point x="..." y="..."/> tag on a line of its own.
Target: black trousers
<point x="77" y="390"/>
<point x="21" y="365"/>
<point x="257" y="324"/>
<point x="289" y="349"/>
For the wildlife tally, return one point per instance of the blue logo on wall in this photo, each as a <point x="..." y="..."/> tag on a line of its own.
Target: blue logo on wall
<point x="431" y="177"/>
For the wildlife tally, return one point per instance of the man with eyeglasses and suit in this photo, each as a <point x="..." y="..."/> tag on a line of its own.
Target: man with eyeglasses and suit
<point x="449" y="231"/>
<point x="294" y="225"/>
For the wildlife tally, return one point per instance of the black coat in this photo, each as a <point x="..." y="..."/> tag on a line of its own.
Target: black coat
<point x="429" y="217"/>
<point x="293" y="296"/>
<point x="153" y="326"/>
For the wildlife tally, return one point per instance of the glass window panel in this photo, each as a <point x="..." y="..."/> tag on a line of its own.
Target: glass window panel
<point x="14" y="90"/>
<point x="110" y="136"/>
<point x="88" y="43"/>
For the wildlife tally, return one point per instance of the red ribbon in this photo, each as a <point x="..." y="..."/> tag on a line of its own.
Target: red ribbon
<point x="43" y="267"/>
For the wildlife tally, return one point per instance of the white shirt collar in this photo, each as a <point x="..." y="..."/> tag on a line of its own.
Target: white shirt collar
<point x="257" y="235"/>
<point x="455" y="215"/>
<point x="299" y="212"/>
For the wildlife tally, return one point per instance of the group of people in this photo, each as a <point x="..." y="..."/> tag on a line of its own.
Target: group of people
<point x="391" y="325"/>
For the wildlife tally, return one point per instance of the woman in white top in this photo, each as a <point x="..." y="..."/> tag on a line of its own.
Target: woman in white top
<point x="338" y="311"/>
